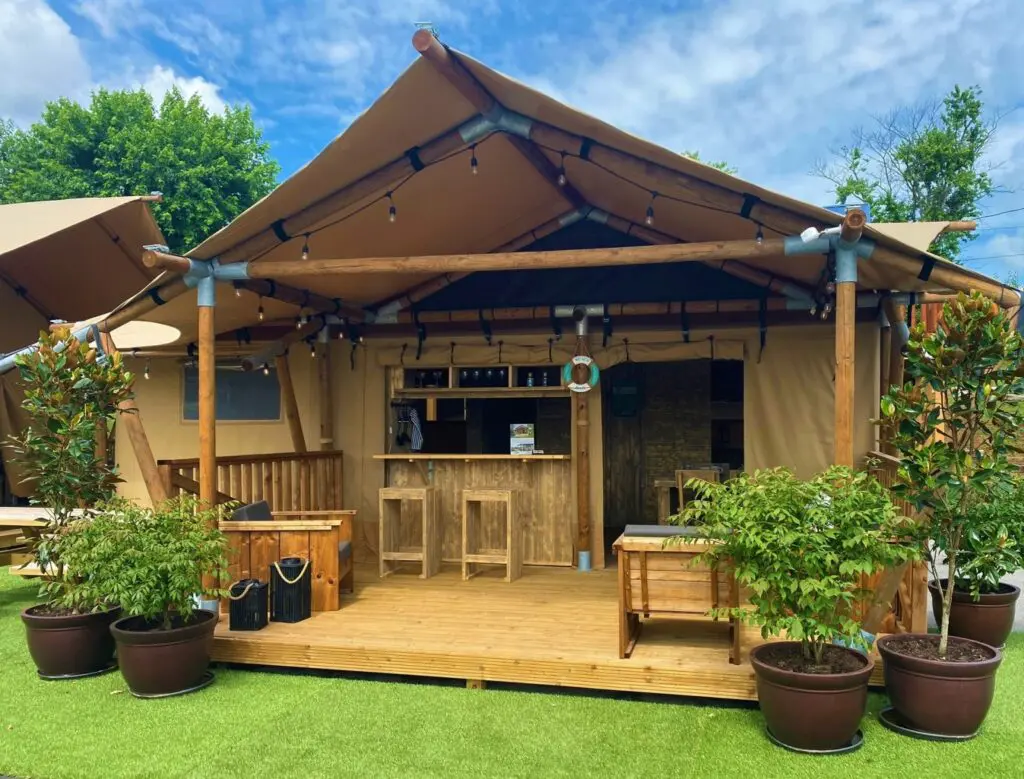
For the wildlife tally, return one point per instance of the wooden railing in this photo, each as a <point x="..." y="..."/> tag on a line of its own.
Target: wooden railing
<point x="288" y="481"/>
<point x="909" y="611"/>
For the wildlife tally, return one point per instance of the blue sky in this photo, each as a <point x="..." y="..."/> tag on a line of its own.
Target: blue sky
<point x="771" y="87"/>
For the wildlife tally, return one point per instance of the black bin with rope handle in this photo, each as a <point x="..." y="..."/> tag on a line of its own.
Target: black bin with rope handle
<point x="291" y="590"/>
<point x="248" y="605"/>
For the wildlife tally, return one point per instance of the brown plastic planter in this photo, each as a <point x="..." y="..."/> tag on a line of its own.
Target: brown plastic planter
<point x="811" y="712"/>
<point x="70" y="647"/>
<point x="988" y="620"/>
<point x="936" y="697"/>
<point x="159" y="663"/>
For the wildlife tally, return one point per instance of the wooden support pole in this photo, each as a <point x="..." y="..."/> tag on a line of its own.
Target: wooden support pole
<point x="326" y="399"/>
<point x="131" y="420"/>
<point x="884" y="354"/>
<point x="291" y="406"/>
<point x="165" y="261"/>
<point x="582" y="458"/>
<point x="846" y="312"/>
<point x="207" y="407"/>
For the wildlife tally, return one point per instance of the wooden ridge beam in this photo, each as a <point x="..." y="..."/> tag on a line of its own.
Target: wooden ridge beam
<point x="455" y="73"/>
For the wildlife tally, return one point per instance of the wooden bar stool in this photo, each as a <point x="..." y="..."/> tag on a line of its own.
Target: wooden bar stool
<point x="392" y="550"/>
<point x="472" y="534"/>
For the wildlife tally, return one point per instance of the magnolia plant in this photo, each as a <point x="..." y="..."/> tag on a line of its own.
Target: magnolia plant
<point x="993" y="545"/>
<point x="802" y="548"/>
<point x="149" y="561"/>
<point x="953" y="424"/>
<point x="72" y="395"/>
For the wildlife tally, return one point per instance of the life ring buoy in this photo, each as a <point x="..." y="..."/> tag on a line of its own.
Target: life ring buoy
<point x="574" y="386"/>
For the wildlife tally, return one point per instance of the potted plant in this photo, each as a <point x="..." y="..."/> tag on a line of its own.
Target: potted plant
<point x="72" y="393"/>
<point x="952" y="425"/>
<point x="153" y="562"/>
<point x="802" y="549"/>
<point x="984" y="606"/>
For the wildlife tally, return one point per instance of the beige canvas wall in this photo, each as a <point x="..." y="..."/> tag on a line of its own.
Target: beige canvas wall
<point x="788" y="408"/>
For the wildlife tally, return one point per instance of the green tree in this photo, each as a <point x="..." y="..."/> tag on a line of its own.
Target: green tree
<point x="921" y="164"/>
<point x="209" y="166"/>
<point x="725" y="167"/>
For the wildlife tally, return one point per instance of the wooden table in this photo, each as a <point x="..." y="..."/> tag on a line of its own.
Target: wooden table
<point x="16" y="523"/>
<point x="253" y="546"/>
<point x="662" y="580"/>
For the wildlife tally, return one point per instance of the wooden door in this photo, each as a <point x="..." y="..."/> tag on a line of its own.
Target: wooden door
<point x="622" y="397"/>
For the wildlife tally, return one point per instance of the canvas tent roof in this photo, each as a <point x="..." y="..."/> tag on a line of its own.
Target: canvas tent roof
<point x="71" y="259"/>
<point x="445" y="209"/>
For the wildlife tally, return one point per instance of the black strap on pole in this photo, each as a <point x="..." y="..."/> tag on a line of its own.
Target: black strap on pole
<point x="684" y="322"/>
<point x="556" y="327"/>
<point x="606" y="321"/>
<point x="749" y="201"/>
<point x="926" y="269"/>
<point x="279" y="231"/>
<point x="421" y="333"/>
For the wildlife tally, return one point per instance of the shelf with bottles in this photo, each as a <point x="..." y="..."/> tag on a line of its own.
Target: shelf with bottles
<point x="427" y="378"/>
<point x="538" y="377"/>
<point x="482" y="377"/>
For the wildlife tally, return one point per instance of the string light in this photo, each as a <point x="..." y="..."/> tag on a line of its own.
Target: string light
<point x="238" y="290"/>
<point x="392" y="211"/>
<point x="562" y="180"/>
<point x="312" y="348"/>
<point x="649" y="217"/>
<point x="259" y="311"/>
<point x="305" y="247"/>
<point x="759" y="238"/>
<point x="341" y="335"/>
<point x="472" y="160"/>
<point x="145" y="372"/>
<point x="266" y="369"/>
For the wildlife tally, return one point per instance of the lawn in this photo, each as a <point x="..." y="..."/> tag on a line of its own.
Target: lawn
<point x="258" y="724"/>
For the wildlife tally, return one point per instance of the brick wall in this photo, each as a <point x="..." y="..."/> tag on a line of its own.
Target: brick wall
<point x="675" y="422"/>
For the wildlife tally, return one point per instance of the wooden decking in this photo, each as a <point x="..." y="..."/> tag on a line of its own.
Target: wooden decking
<point x="553" y="626"/>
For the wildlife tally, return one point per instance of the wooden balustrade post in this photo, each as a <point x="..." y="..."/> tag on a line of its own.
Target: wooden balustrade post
<point x="846" y="322"/>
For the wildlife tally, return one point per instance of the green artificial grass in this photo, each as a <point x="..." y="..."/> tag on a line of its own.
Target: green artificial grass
<point x="251" y="724"/>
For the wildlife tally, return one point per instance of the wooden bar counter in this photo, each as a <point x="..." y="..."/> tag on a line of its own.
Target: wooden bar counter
<point x="543" y="485"/>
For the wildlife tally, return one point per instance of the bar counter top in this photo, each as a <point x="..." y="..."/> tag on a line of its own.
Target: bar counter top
<point x="467" y="457"/>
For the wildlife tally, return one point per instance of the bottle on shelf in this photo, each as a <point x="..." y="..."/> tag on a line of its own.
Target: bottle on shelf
<point x="529" y="379"/>
<point x="544" y="378"/>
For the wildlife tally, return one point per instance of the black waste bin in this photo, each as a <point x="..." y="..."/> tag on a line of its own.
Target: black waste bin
<point x="249" y="605"/>
<point x="291" y="590"/>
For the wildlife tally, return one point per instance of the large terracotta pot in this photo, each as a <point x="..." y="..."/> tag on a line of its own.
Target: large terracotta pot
<point x="819" y="712"/>
<point x="988" y="620"/>
<point x="68" y="647"/>
<point x="939" y="697"/>
<point x="164" y="662"/>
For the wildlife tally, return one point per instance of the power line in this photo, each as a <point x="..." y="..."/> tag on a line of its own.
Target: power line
<point x="993" y="257"/>
<point x="1000" y="213"/>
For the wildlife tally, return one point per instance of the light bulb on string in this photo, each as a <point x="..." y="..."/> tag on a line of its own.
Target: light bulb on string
<point x="259" y="311"/>
<point x="562" y="180"/>
<point x="649" y="216"/>
<point x="341" y="335"/>
<point x="473" y="166"/>
<point x="145" y="371"/>
<point x="312" y="348"/>
<point x="238" y="290"/>
<point x="759" y="238"/>
<point x="305" y="247"/>
<point x="392" y="211"/>
<point x="266" y="369"/>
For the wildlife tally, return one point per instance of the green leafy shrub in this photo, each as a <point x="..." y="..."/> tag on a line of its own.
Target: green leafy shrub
<point x="72" y="394"/>
<point x="993" y="545"/>
<point x="953" y="424"/>
<point x="801" y="547"/>
<point x="149" y="561"/>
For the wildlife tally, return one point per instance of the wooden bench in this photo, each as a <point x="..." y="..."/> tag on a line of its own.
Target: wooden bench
<point x="474" y="551"/>
<point x="425" y="547"/>
<point x="660" y="580"/>
<point x="317" y="536"/>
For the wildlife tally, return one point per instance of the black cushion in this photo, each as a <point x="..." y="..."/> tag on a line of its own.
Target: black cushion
<point x="258" y="511"/>
<point x="660" y="531"/>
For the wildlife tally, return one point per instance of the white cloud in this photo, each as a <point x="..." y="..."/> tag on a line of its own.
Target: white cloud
<point x="160" y="80"/>
<point x="40" y="59"/>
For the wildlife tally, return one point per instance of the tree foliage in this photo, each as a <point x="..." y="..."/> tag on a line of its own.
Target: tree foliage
<point x="72" y="394"/>
<point x="921" y="164"/>
<point x="725" y="167"/>
<point x="209" y="167"/>
<point x="953" y="424"/>
<point x="801" y="548"/>
<point x="151" y="562"/>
